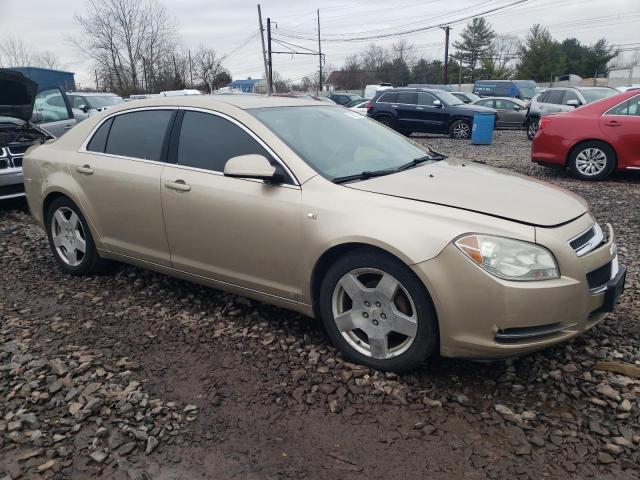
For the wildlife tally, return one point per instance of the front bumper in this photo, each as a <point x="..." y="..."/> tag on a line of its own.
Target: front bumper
<point x="482" y="316"/>
<point x="11" y="183"/>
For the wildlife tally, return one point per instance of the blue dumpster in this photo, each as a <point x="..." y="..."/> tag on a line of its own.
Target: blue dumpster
<point x="482" y="132"/>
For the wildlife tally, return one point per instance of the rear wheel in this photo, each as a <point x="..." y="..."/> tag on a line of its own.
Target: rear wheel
<point x="70" y="239"/>
<point x="532" y="128"/>
<point x="460" y="129"/>
<point x="377" y="312"/>
<point x="385" y="120"/>
<point x="592" y="161"/>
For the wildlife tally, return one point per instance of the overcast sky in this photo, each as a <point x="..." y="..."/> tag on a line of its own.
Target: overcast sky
<point x="225" y="25"/>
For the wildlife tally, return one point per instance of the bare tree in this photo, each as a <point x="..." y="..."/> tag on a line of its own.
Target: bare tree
<point x="207" y="66"/>
<point x="14" y="52"/>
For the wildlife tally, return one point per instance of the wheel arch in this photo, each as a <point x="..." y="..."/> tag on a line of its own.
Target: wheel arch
<point x="585" y="140"/>
<point x="50" y="196"/>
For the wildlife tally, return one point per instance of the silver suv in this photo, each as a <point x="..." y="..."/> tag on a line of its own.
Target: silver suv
<point x="562" y="99"/>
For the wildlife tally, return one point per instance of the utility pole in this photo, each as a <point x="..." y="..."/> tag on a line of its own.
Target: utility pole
<point x="269" y="61"/>
<point x="96" y="72"/>
<point x="264" y="55"/>
<point x="446" y="54"/>
<point x="459" y="74"/>
<point x="190" y="70"/>
<point x="319" y="52"/>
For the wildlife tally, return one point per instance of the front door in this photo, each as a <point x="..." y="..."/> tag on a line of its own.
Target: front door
<point x="433" y="118"/>
<point x="509" y="113"/>
<point x="621" y="125"/>
<point x="118" y="182"/>
<point x="238" y="231"/>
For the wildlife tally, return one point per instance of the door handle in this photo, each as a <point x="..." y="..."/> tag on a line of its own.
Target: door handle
<point x="178" y="185"/>
<point x="394" y="106"/>
<point x="613" y="123"/>
<point x="419" y="108"/>
<point x="85" y="170"/>
<point x="70" y="126"/>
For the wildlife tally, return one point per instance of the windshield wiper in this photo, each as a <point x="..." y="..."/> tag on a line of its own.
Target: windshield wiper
<point x="362" y="176"/>
<point x="414" y="163"/>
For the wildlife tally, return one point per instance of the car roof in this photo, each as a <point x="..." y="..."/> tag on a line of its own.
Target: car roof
<point x="244" y="102"/>
<point x="413" y="89"/>
<point x="95" y="94"/>
<point x="561" y="87"/>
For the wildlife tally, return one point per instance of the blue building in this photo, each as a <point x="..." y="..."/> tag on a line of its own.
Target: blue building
<point x="249" y="85"/>
<point x="47" y="77"/>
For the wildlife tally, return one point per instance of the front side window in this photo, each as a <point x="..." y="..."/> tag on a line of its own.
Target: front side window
<point x="50" y="106"/>
<point x="208" y="141"/>
<point x="630" y="107"/>
<point x="426" y="99"/>
<point x="338" y="143"/>
<point x="448" y="99"/>
<point x="569" y="95"/>
<point x="504" y="104"/>
<point x="78" y="102"/>
<point x="139" y="134"/>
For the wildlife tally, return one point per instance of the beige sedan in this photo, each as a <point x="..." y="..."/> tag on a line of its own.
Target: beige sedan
<point x="401" y="252"/>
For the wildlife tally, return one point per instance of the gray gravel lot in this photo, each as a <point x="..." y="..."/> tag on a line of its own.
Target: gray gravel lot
<point x="130" y="374"/>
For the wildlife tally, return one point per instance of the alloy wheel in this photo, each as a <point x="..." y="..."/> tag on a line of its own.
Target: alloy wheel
<point x="68" y="236"/>
<point x="374" y="313"/>
<point x="532" y="129"/>
<point x="591" y="162"/>
<point x="461" y="130"/>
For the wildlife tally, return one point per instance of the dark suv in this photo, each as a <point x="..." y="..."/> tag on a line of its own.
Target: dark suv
<point x="409" y="110"/>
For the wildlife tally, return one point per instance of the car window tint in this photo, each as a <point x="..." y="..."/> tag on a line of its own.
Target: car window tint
<point x="51" y="106"/>
<point x="555" y="97"/>
<point x="139" y="134"/>
<point x="504" y="104"/>
<point x="207" y="141"/>
<point x="99" y="140"/>
<point x="569" y="95"/>
<point x="542" y="98"/>
<point x="630" y="107"/>
<point x="425" y="98"/>
<point x="410" y="98"/>
<point x="388" y="97"/>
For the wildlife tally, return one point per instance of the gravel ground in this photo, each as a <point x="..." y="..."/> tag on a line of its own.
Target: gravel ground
<point x="133" y="375"/>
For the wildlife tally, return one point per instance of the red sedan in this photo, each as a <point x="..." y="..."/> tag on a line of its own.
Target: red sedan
<point x="593" y="140"/>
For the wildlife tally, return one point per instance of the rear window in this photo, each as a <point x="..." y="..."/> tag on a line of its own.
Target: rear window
<point x="139" y="134"/>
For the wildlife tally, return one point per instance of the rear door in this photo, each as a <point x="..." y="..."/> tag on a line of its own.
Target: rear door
<point x="406" y="111"/>
<point x="118" y="179"/>
<point x="621" y="126"/>
<point x="52" y="112"/>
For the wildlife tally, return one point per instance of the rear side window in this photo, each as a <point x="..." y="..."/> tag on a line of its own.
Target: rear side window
<point x="388" y="97"/>
<point x="208" y="141"/>
<point x="485" y="103"/>
<point x="410" y="98"/>
<point x="555" y="97"/>
<point x="99" y="140"/>
<point x="630" y="107"/>
<point x="139" y="134"/>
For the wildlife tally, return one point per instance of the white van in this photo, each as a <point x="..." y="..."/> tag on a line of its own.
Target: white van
<point x="371" y="90"/>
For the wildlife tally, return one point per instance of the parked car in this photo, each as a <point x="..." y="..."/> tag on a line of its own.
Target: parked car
<point x="633" y="86"/>
<point x="17" y="134"/>
<point x="401" y="252"/>
<point x="562" y="99"/>
<point x="371" y="90"/>
<point x="466" y="97"/>
<point x="521" y="89"/>
<point x="360" y="107"/>
<point x="511" y="112"/>
<point x="409" y="110"/>
<point x="592" y="141"/>
<point x="85" y="104"/>
<point x="344" y="98"/>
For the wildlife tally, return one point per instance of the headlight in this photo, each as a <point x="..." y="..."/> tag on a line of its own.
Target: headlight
<point x="509" y="259"/>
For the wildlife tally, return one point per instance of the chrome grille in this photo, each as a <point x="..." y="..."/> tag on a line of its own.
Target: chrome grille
<point x="587" y="241"/>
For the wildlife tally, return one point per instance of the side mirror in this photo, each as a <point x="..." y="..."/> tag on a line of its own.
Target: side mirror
<point x="250" y="166"/>
<point x="37" y="117"/>
<point x="517" y="108"/>
<point x="573" y="103"/>
<point x="437" y="103"/>
<point x="84" y="108"/>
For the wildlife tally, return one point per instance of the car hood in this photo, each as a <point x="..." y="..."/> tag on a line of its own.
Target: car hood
<point x="477" y="188"/>
<point x="17" y="94"/>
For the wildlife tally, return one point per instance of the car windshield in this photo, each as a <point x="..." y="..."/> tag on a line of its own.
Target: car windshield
<point x="336" y="142"/>
<point x="472" y="96"/>
<point x="96" y="101"/>
<point x="594" y="94"/>
<point x="449" y="99"/>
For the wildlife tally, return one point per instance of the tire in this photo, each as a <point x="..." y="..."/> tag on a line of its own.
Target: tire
<point x="361" y="320"/>
<point x="67" y="229"/>
<point x="460" y="130"/>
<point x="592" y="161"/>
<point x="385" y="120"/>
<point x="532" y="127"/>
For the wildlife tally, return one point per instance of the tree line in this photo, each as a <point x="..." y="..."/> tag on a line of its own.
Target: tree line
<point x="480" y="53"/>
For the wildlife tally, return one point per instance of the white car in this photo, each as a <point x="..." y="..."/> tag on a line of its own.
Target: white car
<point x="626" y="88"/>
<point x="361" y="107"/>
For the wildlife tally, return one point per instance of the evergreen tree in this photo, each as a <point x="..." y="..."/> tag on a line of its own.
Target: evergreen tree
<point x="474" y="47"/>
<point x="541" y="56"/>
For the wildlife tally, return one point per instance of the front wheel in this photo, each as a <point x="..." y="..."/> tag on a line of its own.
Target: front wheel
<point x="377" y="312"/>
<point x="460" y="129"/>
<point x="532" y="128"/>
<point x="592" y="161"/>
